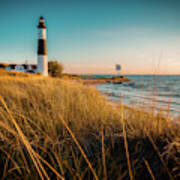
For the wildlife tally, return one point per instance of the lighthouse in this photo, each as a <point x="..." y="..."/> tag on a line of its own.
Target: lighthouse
<point x="42" y="66"/>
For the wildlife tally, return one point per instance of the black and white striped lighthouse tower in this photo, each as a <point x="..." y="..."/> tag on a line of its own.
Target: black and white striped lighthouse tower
<point x="42" y="50"/>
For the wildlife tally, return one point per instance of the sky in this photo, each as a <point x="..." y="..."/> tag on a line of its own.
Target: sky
<point x="91" y="36"/>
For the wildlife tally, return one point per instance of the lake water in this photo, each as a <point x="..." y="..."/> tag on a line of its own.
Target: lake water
<point x="148" y="91"/>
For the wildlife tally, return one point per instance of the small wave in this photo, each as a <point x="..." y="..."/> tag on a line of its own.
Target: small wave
<point x="169" y="94"/>
<point x="135" y="85"/>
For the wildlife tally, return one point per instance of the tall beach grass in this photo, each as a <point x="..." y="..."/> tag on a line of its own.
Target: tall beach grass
<point x="60" y="129"/>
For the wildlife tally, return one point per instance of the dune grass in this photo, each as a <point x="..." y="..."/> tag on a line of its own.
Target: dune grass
<point x="59" y="129"/>
<point x="5" y="73"/>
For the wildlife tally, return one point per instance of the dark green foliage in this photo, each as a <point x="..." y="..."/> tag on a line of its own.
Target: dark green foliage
<point x="3" y="65"/>
<point x="55" y="69"/>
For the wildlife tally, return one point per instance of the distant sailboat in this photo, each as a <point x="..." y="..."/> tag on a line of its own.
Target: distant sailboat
<point x="118" y="67"/>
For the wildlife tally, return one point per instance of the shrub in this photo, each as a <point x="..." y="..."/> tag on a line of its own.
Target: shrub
<point x="3" y="65"/>
<point x="55" y="69"/>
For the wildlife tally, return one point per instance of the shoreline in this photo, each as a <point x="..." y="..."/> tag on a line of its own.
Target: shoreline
<point x="148" y="108"/>
<point x="97" y="80"/>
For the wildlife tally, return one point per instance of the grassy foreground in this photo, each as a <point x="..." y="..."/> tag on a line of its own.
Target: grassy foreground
<point x="57" y="129"/>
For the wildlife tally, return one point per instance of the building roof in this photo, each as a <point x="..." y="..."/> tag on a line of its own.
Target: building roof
<point x="25" y="66"/>
<point x="12" y="66"/>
